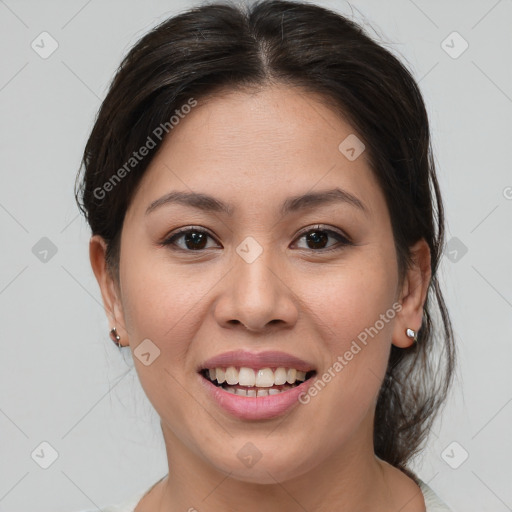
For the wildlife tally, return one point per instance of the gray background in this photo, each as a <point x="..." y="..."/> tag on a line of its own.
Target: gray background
<point x="64" y="382"/>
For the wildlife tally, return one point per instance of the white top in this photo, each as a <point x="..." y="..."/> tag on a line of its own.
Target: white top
<point x="432" y="501"/>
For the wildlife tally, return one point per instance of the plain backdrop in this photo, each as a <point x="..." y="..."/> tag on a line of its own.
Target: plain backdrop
<point x="69" y="400"/>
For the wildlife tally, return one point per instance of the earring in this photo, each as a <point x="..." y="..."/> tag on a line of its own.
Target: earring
<point x="412" y="334"/>
<point x="115" y="337"/>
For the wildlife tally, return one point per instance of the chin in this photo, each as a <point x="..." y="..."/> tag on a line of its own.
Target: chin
<point x="260" y="467"/>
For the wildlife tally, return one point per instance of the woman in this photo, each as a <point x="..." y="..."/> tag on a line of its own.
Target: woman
<point x="267" y="228"/>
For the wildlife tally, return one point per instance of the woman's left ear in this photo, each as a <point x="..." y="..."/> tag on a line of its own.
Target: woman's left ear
<point x="413" y="295"/>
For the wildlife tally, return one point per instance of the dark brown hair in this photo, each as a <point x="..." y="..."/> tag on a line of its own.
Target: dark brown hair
<point x="228" y="46"/>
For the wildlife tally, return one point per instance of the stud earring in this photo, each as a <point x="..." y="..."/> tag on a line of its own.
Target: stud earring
<point x="115" y="337"/>
<point x="412" y="334"/>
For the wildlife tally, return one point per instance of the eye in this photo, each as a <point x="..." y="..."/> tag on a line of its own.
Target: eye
<point x="317" y="237"/>
<point x="194" y="239"/>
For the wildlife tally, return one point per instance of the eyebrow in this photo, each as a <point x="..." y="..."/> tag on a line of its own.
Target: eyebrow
<point x="208" y="203"/>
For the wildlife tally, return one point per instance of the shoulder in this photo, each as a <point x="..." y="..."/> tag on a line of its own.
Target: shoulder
<point x="432" y="502"/>
<point x="410" y="489"/>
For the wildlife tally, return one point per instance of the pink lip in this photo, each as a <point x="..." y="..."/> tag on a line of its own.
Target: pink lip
<point x="259" y="408"/>
<point x="269" y="359"/>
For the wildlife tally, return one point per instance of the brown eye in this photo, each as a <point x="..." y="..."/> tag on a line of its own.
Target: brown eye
<point x="317" y="239"/>
<point x="193" y="239"/>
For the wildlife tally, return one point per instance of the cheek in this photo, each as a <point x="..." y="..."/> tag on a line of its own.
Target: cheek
<point x="350" y="299"/>
<point x="160" y="299"/>
<point x="355" y="314"/>
<point x="161" y="303"/>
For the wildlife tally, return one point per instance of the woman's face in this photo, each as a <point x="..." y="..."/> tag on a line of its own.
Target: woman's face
<point x="303" y="277"/>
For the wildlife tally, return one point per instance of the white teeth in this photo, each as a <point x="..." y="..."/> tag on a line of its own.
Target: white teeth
<point x="280" y="376"/>
<point x="231" y="375"/>
<point x="247" y="377"/>
<point x="221" y="375"/>
<point x="255" y="393"/>
<point x="262" y="378"/>
<point x="291" y="376"/>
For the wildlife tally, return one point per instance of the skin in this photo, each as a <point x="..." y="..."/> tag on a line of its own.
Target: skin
<point x="253" y="150"/>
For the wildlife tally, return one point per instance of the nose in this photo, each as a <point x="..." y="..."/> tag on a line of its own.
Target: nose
<point x="256" y="296"/>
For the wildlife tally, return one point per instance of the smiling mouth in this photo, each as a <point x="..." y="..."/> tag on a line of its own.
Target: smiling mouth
<point x="251" y="382"/>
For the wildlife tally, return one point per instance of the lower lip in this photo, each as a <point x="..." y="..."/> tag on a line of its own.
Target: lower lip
<point x="259" y="408"/>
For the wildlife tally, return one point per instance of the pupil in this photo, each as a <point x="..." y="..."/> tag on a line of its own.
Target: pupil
<point x="195" y="238"/>
<point x="316" y="237"/>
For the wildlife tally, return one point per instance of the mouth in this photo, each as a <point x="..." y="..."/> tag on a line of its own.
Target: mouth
<point x="256" y="382"/>
<point x="256" y="386"/>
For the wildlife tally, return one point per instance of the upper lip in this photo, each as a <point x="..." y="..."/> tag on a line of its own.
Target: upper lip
<point x="268" y="359"/>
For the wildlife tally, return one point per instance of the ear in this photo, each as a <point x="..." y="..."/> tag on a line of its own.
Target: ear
<point x="109" y="290"/>
<point x="413" y="294"/>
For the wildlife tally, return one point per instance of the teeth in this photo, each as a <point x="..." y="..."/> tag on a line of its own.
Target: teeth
<point x="291" y="376"/>
<point x="221" y="375"/>
<point x="231" y="375"/>
<point x="246" y="377"/>
<point x="262" y="378"/>
<point x="280" y="376"/>
<point x="256" y="393"/>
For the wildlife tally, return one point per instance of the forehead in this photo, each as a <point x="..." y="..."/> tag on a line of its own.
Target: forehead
<point x="257" y="145"/>
<point x="271" y="120"/>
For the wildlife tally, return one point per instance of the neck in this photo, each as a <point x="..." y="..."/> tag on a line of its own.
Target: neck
<point x="351" y="478"/>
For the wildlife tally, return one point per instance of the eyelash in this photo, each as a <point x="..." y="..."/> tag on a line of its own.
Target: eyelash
<point x="343" y="240"/>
